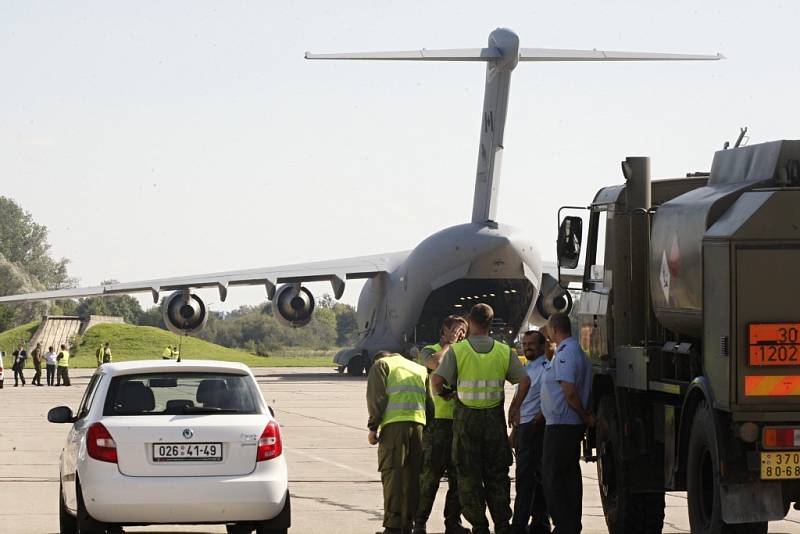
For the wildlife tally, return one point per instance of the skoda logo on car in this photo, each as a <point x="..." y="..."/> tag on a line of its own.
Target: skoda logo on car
<point x="188" y="433"/>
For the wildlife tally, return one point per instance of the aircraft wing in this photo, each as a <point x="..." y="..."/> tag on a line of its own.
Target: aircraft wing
<point x="334" y="271"/>
<point x="567" y="275"/>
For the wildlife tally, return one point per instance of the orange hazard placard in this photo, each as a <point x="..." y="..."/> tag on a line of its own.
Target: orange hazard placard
<point x="771" y="386"/>
<point x="774" y="344"/>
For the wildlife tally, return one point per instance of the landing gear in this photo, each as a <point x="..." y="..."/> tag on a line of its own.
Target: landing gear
<point x="703" y="481"/>
<point x="357" y="365"/>
<point x="626" y="512"/>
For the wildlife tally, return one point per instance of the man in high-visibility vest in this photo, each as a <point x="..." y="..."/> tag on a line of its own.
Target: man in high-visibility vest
<point x="479" y="367"/>
<point x="62" y="366"/>
<point x="397" y="401"/>
<point x="98" y="354"/>
<point x="437" y="441"/>
<point x="107" y="357"/>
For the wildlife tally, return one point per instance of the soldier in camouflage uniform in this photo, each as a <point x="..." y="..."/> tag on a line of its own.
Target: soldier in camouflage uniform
<point x="398" y="403"/>
<point x="437" y="443"/>
<point x="479" y="366"/>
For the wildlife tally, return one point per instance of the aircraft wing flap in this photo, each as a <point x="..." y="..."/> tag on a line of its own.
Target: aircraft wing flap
<point x="335" y="271"/>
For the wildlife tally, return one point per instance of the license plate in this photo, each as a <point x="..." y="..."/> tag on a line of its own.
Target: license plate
<point x="774" y="344"/>
<point x="780" y="465"/>
<point x="187" y="452"/>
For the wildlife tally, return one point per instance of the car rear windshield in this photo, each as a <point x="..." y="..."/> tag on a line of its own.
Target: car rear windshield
<point x="181" y="394"/>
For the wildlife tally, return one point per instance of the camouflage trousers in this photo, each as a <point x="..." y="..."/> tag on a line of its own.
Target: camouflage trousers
<point x="482" y="456"/>
<point x="399" y="461"/>
<point x="437" y="447"/>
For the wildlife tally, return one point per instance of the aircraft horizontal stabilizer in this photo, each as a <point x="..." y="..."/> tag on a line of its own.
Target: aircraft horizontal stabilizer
<point x="455" y="54"/>
<point x="555" y="54"/>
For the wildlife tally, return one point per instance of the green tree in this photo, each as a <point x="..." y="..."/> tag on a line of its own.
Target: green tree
<point x="152" y="317"/>
<point x="346" y="324"/>
<point x="124" y="306"/>
<point x="25" y="263"/>
<point x="24" y="243"/>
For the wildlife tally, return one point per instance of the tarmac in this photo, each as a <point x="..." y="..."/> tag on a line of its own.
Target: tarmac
<point x="333" y="481"/>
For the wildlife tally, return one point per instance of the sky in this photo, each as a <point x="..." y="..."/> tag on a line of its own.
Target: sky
<point x="159" y="139"/>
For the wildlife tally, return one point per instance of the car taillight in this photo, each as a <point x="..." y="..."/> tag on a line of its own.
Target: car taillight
<point x="100" y="445"/>
<point x="776" y="437"/>
<point x="269" y="444"/>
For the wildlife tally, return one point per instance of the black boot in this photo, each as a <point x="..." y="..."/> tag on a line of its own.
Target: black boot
<point x="456" y="528"/>
<point x="419" y="528"/>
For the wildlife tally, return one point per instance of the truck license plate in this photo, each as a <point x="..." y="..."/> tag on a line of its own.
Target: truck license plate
<point x="780" y="465"/>
<point x="774" y="344"/>
<point x="187" y="452"/>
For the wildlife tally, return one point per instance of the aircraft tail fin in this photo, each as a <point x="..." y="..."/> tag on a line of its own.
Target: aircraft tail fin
<point x="501" y="56"/>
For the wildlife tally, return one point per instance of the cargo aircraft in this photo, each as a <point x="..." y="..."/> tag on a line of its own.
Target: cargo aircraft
<point x="406" y="294"/>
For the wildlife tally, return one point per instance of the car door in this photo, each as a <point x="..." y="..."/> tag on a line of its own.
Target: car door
<point x="69" y="456"/>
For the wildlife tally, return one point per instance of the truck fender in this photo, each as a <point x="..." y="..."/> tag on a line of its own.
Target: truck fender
<point x="699" y="390"/>
<point x="741" y="503"/>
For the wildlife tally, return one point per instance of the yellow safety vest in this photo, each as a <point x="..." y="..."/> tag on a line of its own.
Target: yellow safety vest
<point x="405" y="387"/>
<point x="481" y="376"/>
<point x="64" y="361"/>
<point x="444" y="409"/>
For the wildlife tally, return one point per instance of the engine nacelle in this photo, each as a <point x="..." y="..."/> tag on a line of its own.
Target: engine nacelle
<point x="293" y="305"/>
<point x="552" y="298"/>
<point x="184" y="312"/>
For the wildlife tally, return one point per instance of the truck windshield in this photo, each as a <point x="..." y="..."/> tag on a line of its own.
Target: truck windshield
<point x="181" y="393"/>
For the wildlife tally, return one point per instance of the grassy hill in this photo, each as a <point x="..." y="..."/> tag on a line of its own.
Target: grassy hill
<point x="130" y="342"/>
<point x="10" y="338"/>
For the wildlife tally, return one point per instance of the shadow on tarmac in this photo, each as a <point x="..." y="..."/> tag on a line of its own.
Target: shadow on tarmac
<point x="305" y="377"/>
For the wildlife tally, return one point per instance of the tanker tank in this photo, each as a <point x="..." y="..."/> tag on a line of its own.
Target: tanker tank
<point x="679" y="226"/>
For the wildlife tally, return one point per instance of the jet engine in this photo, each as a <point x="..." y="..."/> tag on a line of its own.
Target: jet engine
<point x="184" y="312"/>
<point x="552" y="298"/>
<point x="293" y="305"/>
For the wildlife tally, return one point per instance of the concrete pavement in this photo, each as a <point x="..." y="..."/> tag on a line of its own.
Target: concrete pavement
<point x="333" y="479"/>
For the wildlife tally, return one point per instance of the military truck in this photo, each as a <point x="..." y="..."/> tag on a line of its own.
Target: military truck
<point x="690" y="313"/>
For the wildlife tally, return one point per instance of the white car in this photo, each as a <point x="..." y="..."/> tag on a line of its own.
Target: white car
<point x="171" y="442"/>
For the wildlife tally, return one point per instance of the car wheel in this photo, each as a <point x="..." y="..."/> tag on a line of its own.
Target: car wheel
<point x="626" y="512"/>
<point x="702" y="481"/>
<point x="280" y="523"/>
<point x="239" y="528"/>
<point x="86" y="523"/>
<point x="66" y="521"/>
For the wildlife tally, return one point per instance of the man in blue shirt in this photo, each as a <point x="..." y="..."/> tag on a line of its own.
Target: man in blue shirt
<point x="529" y="503"/>
<point x="565" y="390"/>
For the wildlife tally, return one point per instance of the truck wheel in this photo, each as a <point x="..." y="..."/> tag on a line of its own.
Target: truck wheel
<point x="702" y="480"/>
<point x="625" y="512"/>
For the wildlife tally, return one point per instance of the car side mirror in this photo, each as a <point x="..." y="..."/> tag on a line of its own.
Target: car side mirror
<point x="61" y="414"/>
<point x="568" y="247"/>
